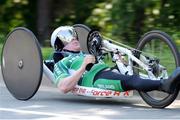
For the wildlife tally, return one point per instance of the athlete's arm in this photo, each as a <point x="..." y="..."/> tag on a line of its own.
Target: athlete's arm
<point x="68" y="83"/>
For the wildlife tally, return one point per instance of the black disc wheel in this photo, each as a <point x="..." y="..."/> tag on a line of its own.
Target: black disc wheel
<point x="162" y="53"/>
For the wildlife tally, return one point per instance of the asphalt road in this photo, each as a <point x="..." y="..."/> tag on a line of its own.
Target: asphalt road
<point x="48" y="103"/>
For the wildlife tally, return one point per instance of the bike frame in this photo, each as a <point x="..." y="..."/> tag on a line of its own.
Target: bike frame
<point x="128" y="69"/>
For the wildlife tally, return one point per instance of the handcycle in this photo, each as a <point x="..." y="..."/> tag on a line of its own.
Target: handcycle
<point x="154" y="57"/>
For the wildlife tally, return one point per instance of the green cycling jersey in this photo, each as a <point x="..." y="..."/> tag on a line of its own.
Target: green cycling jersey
<point x="72" y="62"/>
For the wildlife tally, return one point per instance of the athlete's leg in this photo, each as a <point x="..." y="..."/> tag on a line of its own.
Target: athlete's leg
<point x="124" y="82"/>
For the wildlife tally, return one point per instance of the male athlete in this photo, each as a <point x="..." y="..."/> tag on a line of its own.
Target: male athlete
<point x="71" y="70"/>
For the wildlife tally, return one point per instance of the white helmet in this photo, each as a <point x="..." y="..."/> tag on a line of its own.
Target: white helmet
<point x="61" y="36"/>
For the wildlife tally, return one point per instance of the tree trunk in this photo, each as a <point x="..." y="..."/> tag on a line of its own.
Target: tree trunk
<point x="43" y="19"/>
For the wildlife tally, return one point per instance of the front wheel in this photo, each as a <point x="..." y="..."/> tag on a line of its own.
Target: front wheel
<point x="159" y="46"/>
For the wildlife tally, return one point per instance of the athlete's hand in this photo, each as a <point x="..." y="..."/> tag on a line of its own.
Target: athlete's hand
<point x="87" y="60"/>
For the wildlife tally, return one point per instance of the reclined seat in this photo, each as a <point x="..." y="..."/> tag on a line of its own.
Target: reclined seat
<point x="57" y="56"/>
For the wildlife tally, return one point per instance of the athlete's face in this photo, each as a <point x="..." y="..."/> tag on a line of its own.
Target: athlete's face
<point x="74" y="45"/>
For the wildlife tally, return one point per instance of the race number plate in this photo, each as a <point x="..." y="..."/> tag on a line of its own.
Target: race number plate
<point x="22" y="63"/>
<point x="82" y="32"/>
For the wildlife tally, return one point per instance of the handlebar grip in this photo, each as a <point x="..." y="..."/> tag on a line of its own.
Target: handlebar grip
<point x="89" y="66"/>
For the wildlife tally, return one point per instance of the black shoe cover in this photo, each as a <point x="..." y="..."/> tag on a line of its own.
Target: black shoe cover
<point x="169" y="85"/>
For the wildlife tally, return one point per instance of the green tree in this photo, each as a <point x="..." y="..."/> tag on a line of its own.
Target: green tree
<point x="128" y="16"/>
<point x="15" y="13"/>
<point x="132" y="18"/>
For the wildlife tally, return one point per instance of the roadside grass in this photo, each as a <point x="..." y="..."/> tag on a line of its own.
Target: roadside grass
<point x="47" y="52"/>
<point x="163" y="53"/>
<point x="1" y="46"/>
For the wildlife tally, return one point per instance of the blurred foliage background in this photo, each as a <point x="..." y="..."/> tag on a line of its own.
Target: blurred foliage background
<point x="122" y="20"/>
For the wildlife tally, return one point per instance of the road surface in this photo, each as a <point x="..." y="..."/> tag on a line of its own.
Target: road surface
<point x="48" y="103"/>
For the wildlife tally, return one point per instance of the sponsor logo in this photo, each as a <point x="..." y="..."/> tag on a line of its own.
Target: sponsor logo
<point x="106" y="86"/>
<point x="99" y="93"/>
